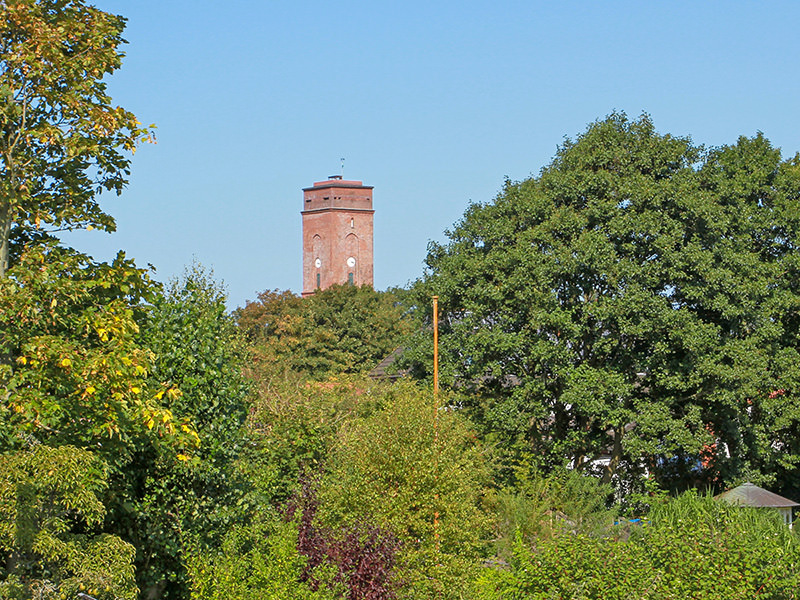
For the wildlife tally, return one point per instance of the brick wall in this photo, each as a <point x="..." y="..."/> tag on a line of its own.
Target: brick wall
<point x="337" y="234"/>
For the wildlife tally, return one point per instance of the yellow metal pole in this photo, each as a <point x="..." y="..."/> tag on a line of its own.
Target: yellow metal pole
<point x="436" y="345"/>
<point x="436" y="420"/>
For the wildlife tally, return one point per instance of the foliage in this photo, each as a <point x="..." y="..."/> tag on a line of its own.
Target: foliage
<point x="71" y="370"/>
<point x="74" y="372"/>
<point x="164" y="499"/>
<point x="292" y="426"/>
<point x="358" y="559"/>
<point x="638" y="298"/>
<point x="259" y="561"/>
<point x="745" y="552"/>
<point x="418" y="473"/>
<point x="538" y="507"/>
<point x="342" y="329"/>
<point x="572" y="567"/>
<point x="50" y="509"/>
<point x="61" y="138"/>
<point x="692" y="547"/>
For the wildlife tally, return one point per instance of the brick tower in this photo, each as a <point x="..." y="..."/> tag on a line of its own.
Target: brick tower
<point x="337" y="234"/>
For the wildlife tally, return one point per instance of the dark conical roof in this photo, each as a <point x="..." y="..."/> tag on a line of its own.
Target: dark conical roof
<point x="748" y="494"/>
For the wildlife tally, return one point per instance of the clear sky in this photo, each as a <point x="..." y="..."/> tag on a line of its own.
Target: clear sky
<point x="433" y="103"/>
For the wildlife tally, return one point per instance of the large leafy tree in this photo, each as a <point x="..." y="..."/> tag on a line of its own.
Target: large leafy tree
<point x="72" y="370"/>
<point x="342" y="329"/>
<point x="638" y="300"/>
<point x="165" y="501"/>
<point x="78" y="390"/>
<point x="62" y="140"/>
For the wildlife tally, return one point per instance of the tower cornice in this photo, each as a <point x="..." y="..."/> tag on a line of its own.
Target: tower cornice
<point x="338" y="183"/>
<point x="337" y="209"/>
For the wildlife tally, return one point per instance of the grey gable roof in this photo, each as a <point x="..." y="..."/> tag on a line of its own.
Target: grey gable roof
<point x="749" y="494"/>
<point x="387" y="364"/>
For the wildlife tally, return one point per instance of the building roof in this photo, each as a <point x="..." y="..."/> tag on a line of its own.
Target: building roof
<point x="338" y="182"/>
<point x="384" y="368"/>
<point x="748" y="494"/>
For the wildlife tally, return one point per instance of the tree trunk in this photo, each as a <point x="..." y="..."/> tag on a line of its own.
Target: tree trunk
<point x="616" y="455"/>
<point x="5" y="234"/>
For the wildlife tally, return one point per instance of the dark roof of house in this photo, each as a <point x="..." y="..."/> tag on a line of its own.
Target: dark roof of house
<point x="748" y="494"/>
<point x="380" y="371"/>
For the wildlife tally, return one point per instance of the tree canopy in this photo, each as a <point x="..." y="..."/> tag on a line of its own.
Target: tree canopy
<point x="62" y="140"/>
<point x="165" y="501"/>
<point x="50" y="513"/>
<point x="341" y="329"/>
<point x="639" y="300"/>
<point x="71" y="368"/>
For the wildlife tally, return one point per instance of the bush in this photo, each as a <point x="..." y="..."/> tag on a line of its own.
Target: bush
<point x="691" y="547"/>
<point x="396" y="470"/>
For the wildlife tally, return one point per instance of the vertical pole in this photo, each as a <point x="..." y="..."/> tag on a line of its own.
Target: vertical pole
<point x="436" y="346"/>
<point x="436" y="421"/>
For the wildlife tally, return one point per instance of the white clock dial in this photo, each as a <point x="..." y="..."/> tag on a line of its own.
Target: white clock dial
<point x="351" y="262"/>
<point x="317" y="263"/>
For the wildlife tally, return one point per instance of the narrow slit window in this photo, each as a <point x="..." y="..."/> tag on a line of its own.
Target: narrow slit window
<point x="318" y="286"/>
<point x="350" y="278"/>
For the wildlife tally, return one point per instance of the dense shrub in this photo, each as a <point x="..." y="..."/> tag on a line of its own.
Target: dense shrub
<point x="690" y="547"/>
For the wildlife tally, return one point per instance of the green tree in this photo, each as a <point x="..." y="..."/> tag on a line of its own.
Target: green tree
<point x="74" y="373"/>
<point x="50" y="513"/>
<point x="71" y="368"/>
<point x="61" y="138"/>
<point x="342" y="329"/>
<point x="292" y="425"/>
<point x="419" y="475"/>
<point x="165" y="500"/>
<point x="639" y="299"/>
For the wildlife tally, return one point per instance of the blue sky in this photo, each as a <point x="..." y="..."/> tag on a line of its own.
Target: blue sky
<point x="432" y="103"/>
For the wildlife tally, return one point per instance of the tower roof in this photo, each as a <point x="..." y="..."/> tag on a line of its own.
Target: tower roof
<point x="335" y="181"/>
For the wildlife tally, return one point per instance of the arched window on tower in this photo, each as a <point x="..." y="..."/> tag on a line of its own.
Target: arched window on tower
<point x="351" y="257"/>
<point x="316" y="246"/>
<point x="316" y="250"/>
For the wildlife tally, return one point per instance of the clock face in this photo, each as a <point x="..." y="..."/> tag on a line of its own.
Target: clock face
<point x="351" y="262"/>
<point x="317" y="263"/>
